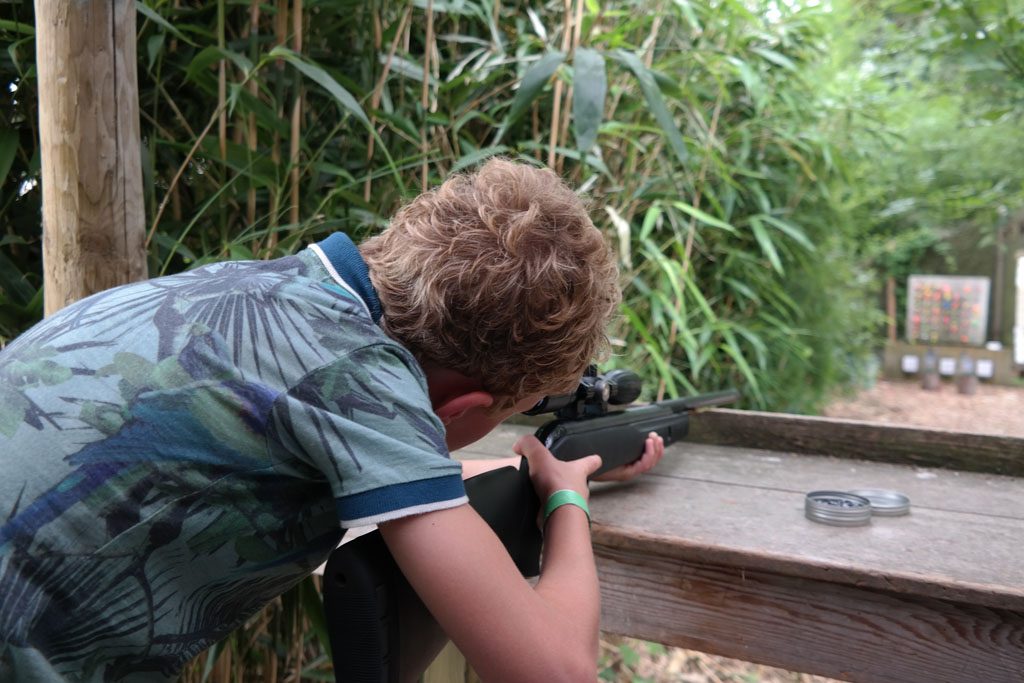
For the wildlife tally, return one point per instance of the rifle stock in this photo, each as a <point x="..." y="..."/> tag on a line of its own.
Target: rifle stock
<point x="381" y="632"/>
<point x="619" y="437"/>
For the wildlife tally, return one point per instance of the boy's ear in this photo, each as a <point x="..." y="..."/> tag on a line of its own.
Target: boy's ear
<point x="458" y="405"/>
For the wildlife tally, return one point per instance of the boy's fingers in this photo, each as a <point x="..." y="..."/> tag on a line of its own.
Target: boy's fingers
<point x="528" y="445"/>
<point x="654" y="450"/>
<point x="590" y="463"/>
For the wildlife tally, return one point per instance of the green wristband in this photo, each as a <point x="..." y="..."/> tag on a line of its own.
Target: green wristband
<point x="565" y="497"/>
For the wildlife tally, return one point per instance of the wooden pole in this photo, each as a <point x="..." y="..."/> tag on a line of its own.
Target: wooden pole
<point x="93" y="212"/>
<point x="890" y="307"/>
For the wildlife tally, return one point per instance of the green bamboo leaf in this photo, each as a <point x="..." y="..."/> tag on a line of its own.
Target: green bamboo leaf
<point x="450" y="6"/>
<point x="640" y="326"/>
<point x="775" y="57"/>
<point x="687" y="9"/>
<point x="590" y="84"/>
<point x="743" y="289"/>
<point x="323" y="79"/>
<point x="538" y="25"/>
<point x="761" y="235"/>
<point x="793" y="231"/>
<point x="704" y="217"/>
<point x="17" y="27"/>
<point x="406" y="67"/>
<point x="702" y="302"/>
<point x="198" y="68"/>
<point x="154" y="46"/>
<point x="238" y="59"/>
<point x="655" y="101"/>
<point x="650" y="220"/>
<point x="155" y="17"/>
<point x="474" y="158"/>
<point x="732" y="348"/>
<point x="533" y="82"/>
<point x="751" y="81"/>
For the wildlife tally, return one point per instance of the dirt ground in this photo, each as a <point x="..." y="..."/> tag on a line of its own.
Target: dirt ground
<point x="992" y="410"/>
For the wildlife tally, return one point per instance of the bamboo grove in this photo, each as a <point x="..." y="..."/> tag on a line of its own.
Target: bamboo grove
<point x="692" y="129"/>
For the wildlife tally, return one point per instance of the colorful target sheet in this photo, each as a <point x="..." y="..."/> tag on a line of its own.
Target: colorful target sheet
<point x="947" y="309"/>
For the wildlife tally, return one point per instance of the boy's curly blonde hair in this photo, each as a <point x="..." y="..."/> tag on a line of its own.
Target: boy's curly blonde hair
<point x="500" y="275"/>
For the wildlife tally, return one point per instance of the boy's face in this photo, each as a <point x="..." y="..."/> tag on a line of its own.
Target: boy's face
<point x="478" y="422"/>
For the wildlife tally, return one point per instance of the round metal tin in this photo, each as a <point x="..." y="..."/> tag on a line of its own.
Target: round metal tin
<point x="837" y="508"/>
<point x="885" y="503"/>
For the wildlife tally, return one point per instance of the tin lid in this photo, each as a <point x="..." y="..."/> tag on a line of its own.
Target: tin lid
<point x="885" y="503"/>
<point x="837" y="508"/>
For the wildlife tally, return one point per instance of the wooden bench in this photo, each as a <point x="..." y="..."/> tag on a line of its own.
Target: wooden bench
<point x="711" y="551"/>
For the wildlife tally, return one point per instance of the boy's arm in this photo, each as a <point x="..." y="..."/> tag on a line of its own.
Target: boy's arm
<point x="508" y="630"/>
<point x="471" y="468"/>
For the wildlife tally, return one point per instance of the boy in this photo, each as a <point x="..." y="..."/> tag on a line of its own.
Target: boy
<point x="176" y="453"/>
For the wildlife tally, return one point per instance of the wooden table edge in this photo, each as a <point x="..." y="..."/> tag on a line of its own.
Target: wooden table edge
<point x="636" y="540"/>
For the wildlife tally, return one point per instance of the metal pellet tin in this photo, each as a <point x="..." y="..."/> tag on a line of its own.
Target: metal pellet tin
<point x="885" y="503"/>
<point x="838" y="508"/>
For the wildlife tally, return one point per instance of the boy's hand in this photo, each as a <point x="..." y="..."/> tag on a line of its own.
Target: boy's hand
<point x="654" y="449"/>
<point x="549" y="474"/>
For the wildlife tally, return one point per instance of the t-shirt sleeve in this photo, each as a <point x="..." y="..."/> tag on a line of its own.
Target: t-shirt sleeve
<point x="366" y="423"/>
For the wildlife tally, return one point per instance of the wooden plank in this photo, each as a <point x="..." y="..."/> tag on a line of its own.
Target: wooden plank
<point x="931" y="553"/>
<point x="860" y="440"/>
<point x="844" y="632"/>
<point x="711" y="551"/>
<point x="744" y="508"/>
<point x="935" y="488"/>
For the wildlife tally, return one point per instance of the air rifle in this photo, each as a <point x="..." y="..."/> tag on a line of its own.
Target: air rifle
<point x="380" y="631"/>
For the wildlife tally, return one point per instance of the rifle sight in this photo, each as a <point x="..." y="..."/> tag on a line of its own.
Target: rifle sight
<point x="593" y="395"/>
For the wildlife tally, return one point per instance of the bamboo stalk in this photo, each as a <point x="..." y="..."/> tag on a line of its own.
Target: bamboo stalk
<point x="296" y="137"/>
<point x="566" y="118"/>
<point x="692" y="227"/>
<point x="178" y="174"/>
<point x="280" y="38"/>
<point x="254" y="30"/>
<point x="377" y="93"/>
<point x="557" y="101"/>
<point x="425" y="98"/>
<point x="270" y="655"/>
<point x="890" y="307"/>
<point x="296" y="635"/>
<point x="535" y="126"/>
<point x="222" y="118"/>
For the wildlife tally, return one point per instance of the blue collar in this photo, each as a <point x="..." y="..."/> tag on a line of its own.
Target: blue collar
<point x="349" y="265"/>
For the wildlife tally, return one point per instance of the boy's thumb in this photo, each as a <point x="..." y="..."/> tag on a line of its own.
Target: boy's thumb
<point x="591" y="464"/>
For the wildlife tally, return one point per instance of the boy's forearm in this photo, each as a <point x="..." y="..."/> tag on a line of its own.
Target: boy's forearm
<point x="471" y="468"/>
<point x="569" y="577"/>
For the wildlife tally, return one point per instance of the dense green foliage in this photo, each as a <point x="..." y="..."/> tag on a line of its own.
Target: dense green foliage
<point x="757" y="169"/>
<point x="692" y="128"/>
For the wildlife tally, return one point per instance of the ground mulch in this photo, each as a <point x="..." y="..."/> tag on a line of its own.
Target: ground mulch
<point x="991" y="410"/>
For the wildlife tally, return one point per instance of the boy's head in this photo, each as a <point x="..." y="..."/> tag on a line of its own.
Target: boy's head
<point x="499" y="275"/>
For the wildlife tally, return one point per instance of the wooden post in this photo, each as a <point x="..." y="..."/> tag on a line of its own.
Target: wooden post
<point x="999" y="285"/>
<point x="890" y="306"/>
<point x="93" y="211"/>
